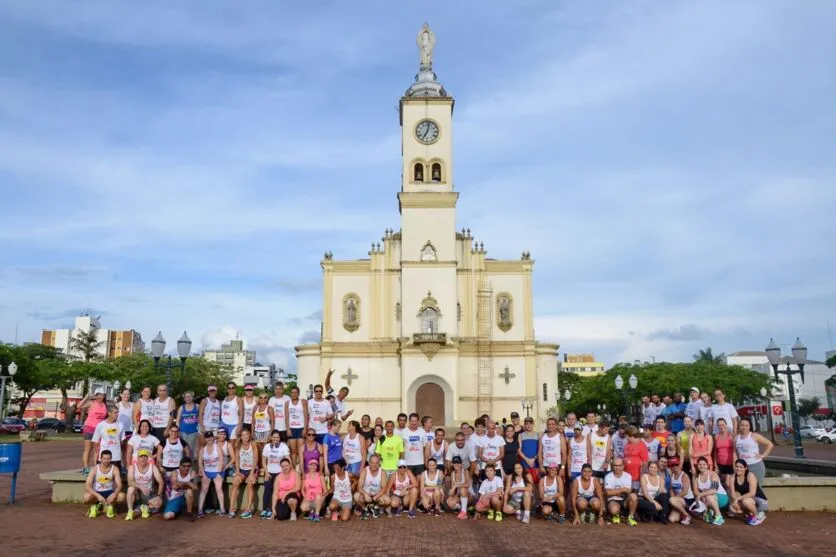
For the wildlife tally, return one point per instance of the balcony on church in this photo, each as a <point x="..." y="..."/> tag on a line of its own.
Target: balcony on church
<point x="428" y="325"/>
<point x="434" y="337"/>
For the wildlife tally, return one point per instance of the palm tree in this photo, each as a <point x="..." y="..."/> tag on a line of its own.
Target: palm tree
<point x="85" y="346"/>
<point x="707" y="356"/>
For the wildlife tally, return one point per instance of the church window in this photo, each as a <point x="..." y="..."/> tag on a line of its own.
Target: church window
<point x="436" y="172"/>
<point x="429" y="320"/>
<point x="545" y="392"/>
<point x="418" y="172"/>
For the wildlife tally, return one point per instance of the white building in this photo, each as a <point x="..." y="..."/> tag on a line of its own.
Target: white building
<point x="234" y="357"/>
<point x="112" y="343"/>
<point x="429" y="323"/>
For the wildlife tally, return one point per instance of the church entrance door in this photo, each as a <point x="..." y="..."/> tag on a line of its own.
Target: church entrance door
<point x="429" y="401"/>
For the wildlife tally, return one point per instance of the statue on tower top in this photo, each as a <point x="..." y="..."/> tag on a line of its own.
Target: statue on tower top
<point x="426" y="42"/>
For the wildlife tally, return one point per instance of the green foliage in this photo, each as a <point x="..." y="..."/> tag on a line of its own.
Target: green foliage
<point x="34" y="364"/>
<point x="831" y="361"/>
<point x="807" y="406"/>
<point x="707" y="356"/>
<point x="661" y="378"/>
<point x="199" y="373"/>
<point x="87" y="344"/>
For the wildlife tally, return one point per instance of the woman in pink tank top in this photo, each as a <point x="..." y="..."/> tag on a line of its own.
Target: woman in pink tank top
<point x="96" y="413"/>
<point x="702" y="445"/>
<point x="313" y="491"/>
<point x="286" y="492"/>
<point x="724" y="449"/>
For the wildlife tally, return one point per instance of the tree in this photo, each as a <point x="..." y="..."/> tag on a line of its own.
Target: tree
<point x="707" y="356"/>
<point x="738" y="383"/>
<point x="831" y="361"/>
<point x="33" y="371"/>
<point x="86" y="345"/>
<point x="806" y="407"/>
<point x="198" y="375"/>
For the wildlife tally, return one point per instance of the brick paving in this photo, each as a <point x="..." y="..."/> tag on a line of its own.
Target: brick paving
<point x="35" y="526"/>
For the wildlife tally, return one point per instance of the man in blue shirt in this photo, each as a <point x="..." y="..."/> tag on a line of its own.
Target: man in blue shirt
<point x="674" y="413"/>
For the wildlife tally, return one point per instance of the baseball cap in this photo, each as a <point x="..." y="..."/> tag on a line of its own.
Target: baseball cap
<point x="578" y="426"/>
<point x="673" y="461"/>
<point x="457" y="459"/>
<point x="401" y="462"/>
<point x="694" y="389"/>
<point x="211" y="388"/>
<point x="99" y="391"/>
<point x="143" y="452"/>
<point x="249" y="387"/>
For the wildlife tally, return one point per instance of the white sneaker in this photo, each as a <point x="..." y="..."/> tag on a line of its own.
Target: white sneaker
<point x="293" y="517"/>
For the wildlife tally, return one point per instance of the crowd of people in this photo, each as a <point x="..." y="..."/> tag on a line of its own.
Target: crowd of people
<point x="684" y="460"/>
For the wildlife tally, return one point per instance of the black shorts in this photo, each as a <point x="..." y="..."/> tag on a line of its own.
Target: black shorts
<point x="416" y="469"/>
<point x="600" y="474"/>
<point x="725" y="469"/>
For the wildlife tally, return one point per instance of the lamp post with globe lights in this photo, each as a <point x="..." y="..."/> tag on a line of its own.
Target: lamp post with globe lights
<point x="11" y="369"/>
<point x="184" y="347"/>
<point x="633" y="382"/>
<point x="527" y="405"/>
<point x="799" y="357"/>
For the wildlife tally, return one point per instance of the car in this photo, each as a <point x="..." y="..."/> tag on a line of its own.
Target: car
<point x="828" y="437"/>
<point x="812" y="432"/>
<point x="53" y="424"/>
<point x="78" y="426"/>
<point x="12" y="426"/>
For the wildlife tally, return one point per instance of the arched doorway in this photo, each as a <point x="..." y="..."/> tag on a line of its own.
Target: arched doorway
<point x="429" y="401"/>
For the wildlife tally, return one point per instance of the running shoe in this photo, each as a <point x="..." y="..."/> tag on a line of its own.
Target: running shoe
<point x="686" y="520"/>
<point x="269" y="515"/>
<point x="292" y="517"/>
<point x="316" y="517"/>
<point x="719" y="521"/>
<point x="632" y="521"/>
<point x="756" y="521"/>
<point x="220" y="512"/>
<point x="761" y="516"/>
<point x="129" y="516"/>
<point x="263" y="514"/>
<point x="201" y="514"/>
<point x="616" y="519"/>
<point x="490" y="514"/>
<point x="437" y="512"/>
<point x="498" y="516"/>
<point x="376" y="511"/>
<point x="110" y="511"/>
<point x="85" y="471"/>
<point x="209" y="510"/>
<point x="525" y="519"/>
<point x="246" y="515"/>
<point x="518" y="514"/>
<point x="411" y="514"/>
<point x="365" y="515"/>
<point x="561" y="518"/>
<point x="708" y="515"/>
<point x="146" y="512"/>
<point x="462" y="515"/>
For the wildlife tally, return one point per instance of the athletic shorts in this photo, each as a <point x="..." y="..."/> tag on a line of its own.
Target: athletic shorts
<point x="106" y="493"/>
<point x="245" y="473"/>
<point x="515" y="503"/>
<point x="211" y="475"/>
<point x="574" y="475"/>
<point x="231" y="430"/>
<point x="320" y="438"/>
<point x="416" y="469"/>
<point x="600" y="474"/>
<point x="343" y="506"/>
<point x="87" y="433"/>
<point x="353" y="468"/>
<point x="174" y="505"/>
<point x="725" y="469"/>
<point x="261" y="436"/>
<point x="722" y="500"/>
<point x="297" y="433"/>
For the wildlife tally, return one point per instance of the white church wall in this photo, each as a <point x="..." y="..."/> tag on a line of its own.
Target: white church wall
<point x="512" y="284"/>
<point x="416" y="282"/>
<point x="344" y="284"/>
<point x="437" y="226"/>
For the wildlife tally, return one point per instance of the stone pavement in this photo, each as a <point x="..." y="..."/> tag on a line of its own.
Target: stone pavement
<point x="36" y="527"/>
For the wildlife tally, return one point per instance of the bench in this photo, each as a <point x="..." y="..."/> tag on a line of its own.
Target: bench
<point x="39" y="435"/>
<point x="68" y="487"/>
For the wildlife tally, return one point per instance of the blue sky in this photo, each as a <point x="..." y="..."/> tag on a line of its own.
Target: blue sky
<point x="184" y="165"/>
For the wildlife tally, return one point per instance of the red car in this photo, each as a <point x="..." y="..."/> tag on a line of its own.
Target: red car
<point x="12" y="426"/>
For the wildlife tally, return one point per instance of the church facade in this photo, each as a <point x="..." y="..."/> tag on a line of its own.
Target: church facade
<point x="428" y="323"/>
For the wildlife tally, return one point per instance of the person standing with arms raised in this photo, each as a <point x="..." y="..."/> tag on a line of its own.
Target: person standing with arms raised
<point x="339" y="401"/>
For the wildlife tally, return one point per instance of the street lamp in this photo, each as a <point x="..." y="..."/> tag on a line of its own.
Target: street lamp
<point x="184" y="346"/>
<point x="12" y="369"/>
<point x="527" y="405"/>
<point x="799" y="355"/>
<point x="633" y="382"/>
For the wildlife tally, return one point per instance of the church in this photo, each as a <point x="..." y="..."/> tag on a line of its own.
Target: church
<point x="428" y="323"/>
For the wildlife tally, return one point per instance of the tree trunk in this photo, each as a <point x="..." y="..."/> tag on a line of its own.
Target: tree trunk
<point x="23" y="402"/>
<point x="69" y="413"/>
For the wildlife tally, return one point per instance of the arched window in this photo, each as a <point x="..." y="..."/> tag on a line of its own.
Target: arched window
<point x="429" y="321"/>
<point x="418" y="172"/>
<point x="436" y="172"/>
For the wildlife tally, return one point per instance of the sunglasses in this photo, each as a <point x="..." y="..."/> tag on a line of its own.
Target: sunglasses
<point x="311" y="434"/>
<point x="399" y="467"/>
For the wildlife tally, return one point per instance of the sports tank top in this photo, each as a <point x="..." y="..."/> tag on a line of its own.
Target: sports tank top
<point x="684" y="442"/>
<point x="146" y="410"/>
<point x="310" y="454"/>
<point x="351" y="448"/>
<point x="229" y="411"/>
<point x="175" y="493"/>
<point x="104" y="480"/>
<point x="372" y="483"/>
<point x="246" y="457"/>
<point x="95" y="415"/>
<point x="578" y="459"/>
<point x="212" y="414"/>
<point x="724" y="447"/>
<point x="710" y="484"/>
<point x="747" y="449"/>
<point x="517" y="483"/>
<point x="211" y="460"/>
<point x="188" y="419"/>
<point x="550" y="490"/>
<point x="342" y="488"/>
<point x="401" y="486"/>
<point x="162" y="412"/>
<point x="618" y="444"/>
<point x="295" y="414"/>
<point x="438" y="454"/>
<point x="743" y="488"/>
<point x="261" y="419"/>
<point x="430" y="483"/>
<point x="286" y="484"/>
<point x="681" y="485"/>
<point x="653" y="489"/>
<point x="599" y="450"/>
<point x="126" y="417"/>
<point x="249" y="406"/>
<point x="144" y="480"/>
<point x="172" y="453"/>
<point x="551" y="450"/>
<point x="313" y="485"/>
<point x="588" y="491"/>
<point x="279" y="419"/>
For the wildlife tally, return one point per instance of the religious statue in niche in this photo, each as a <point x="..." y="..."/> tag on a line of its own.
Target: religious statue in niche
<point x="504" y="312"/>
<point x="351" y="312"/>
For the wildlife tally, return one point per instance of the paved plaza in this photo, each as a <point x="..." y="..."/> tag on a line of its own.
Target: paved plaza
<point x="35" y="526"/>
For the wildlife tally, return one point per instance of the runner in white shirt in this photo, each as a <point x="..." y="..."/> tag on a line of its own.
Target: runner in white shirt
<point x="618" y="489"/>
<point x="250" y="402"/>
<point x="491" y="495"/>
<point x="723" y="409"/>
<point x="491" y="450"/>
<point x="209" y="415"/>
<point x="371" y="494"/>
<point x="278" y="402"/>
<point x="342" y="499"/>
<point x="109" y="435"/>
<point x="414" y="440"/>
<point x="126" y="412"/>
<point x="163" y="412"/>
<point x="144" y="407"/>
<point x="578" y="453"/>
<point x="400" y="427"/>
<point x="319" y="412"/>
<point x="142" y="479"/>
<point x="600" y="450"/>
<point x="296" y="414"/>
<point x="339" y="401"/>
<point x="354" y="449"/>
<point x="103" y="487"/>
<point x="232" y="413"/>
<point x="552" y="447"/>
<point x="431" y="488"/>
<point x="142" y="439"/>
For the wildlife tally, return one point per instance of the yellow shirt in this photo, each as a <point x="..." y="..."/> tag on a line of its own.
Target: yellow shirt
<point x="390" y="451"/>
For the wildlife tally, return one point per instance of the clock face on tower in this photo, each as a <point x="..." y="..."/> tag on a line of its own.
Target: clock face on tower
<point x="426" y="131"/>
